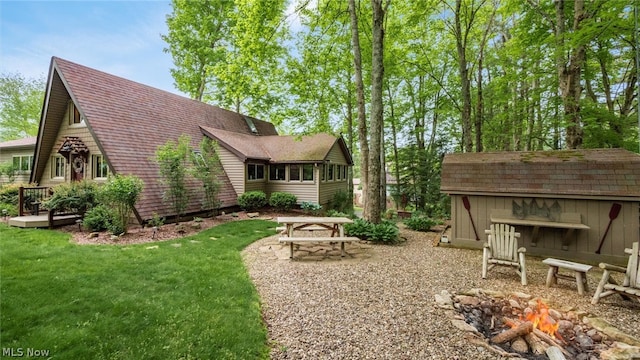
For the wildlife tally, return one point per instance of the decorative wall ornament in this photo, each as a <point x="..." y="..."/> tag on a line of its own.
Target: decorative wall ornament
<point x="532" y="208"/>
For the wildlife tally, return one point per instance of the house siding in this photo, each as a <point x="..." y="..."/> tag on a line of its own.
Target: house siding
<point x="235" y="169"/>
<point x="304" y="191"/>
<point x="336" y="156"/>
<point x="6" y="156"/>
<point x="582" y="243"/>
<point x="83" y="133"/>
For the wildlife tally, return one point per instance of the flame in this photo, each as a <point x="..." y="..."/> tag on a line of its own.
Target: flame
<point x="542" y="320"/>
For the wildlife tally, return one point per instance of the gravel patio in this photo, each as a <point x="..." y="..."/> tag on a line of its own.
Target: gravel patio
<point x="379" y="303"/>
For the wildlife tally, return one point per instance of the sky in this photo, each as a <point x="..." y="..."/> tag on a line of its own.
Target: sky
<point x="118" y="37"/>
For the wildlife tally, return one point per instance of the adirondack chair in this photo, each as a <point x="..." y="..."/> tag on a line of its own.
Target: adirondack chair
<point x="502" y="249"/>
<point x="630" y="284"/>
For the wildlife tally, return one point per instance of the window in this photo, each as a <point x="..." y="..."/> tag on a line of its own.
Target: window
<point x="22" y="164"/>
<point x="57" y="167"/>
<point x="338" y="172"/>
<point x="307" y="172"/>
<point x="276" y="172"/>
<point x="344" y="172"/>
<point x="74" y="114"/>
<point x="330" y="173"/>
<point x="294" y="172"/>
<point x="99" y="167"/>
<point x="323" y="175"/>
<point x="255" y="171"/>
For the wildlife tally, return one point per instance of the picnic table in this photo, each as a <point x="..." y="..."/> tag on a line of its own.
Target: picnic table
<point x="314" y="223"/>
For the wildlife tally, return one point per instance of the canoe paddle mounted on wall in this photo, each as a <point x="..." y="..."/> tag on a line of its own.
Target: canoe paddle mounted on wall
<point x="613" y="214"/>
<point x="467" y="205"/>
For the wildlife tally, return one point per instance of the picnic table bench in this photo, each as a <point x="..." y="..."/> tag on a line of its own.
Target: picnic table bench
<point x="334" y="224"/>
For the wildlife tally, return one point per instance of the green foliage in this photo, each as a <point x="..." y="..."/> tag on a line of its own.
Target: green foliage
<point x="12" y="210"/>
<point x="420" y="222"/>
<point x="252" y="200"/>
<point x="78" y="197"/>
<point x="207" y="168"/>
<point x="156" y="220"/>
<point x="9" y="170"/>
<point x="282" y="201"/>
<point x="120" y="193"/>
<point x="310" y="207"/>
<point x="99" y="218"/>
<point x="391" y="214"/>
<point x="172" y="158"/>
<point x="334" y="213"/>
<point x="10" y="193"/>
<point x="20" y="106"/>
<point x="385" y="232"/>
<point x="131" y="299"/>
<point x="341" y="202"/>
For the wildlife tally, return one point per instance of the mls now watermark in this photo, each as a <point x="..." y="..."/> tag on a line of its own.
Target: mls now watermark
<point x="25" y="352"/>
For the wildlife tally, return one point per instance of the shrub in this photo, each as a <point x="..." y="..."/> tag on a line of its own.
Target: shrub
<point x="252" y="200"/>
<point x="77" y="197"/>
<point x="341" y="202"/>
<point x="156" y="220"/>
<point x="385" y="232"/>
<point x="420" y="222"/>
<point x="311" y="207"/>
<point x="12" y="210"/>
<point x="360" y="228"/>
<point x="283" y="201"/>
<point x="391" y="214"/>
<point x="172" y="158"/>
<point x="99" y="218"/>
<point x="120" y="193"/>
<point x="9" y="193"/>
<point x="334" y="213"/>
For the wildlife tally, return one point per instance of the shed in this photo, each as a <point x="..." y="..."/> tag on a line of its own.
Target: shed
<point x="560" y="201"/>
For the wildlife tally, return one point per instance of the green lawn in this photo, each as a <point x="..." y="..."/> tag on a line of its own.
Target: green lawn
<point x="192" y="301"/>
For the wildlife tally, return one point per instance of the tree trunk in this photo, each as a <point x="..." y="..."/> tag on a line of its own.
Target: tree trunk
<point x="372" y="209"/>
<point x="362" y="122"/>
<point x="467" y="142"/>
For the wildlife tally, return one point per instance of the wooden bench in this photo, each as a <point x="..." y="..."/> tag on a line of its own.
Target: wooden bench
<point x="283" y="229"/>
<point x="568" y="221"/>
<point x="341" y="240"/>
<point x="580" y="273"/>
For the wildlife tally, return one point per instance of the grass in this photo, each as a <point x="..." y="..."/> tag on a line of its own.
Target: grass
<point x="189" y="298"/>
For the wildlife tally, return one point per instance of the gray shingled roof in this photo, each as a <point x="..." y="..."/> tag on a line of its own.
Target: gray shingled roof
<point x="588" y="172"/>
<point x="129" y="120"/>
<point x="310" y="148"/>
<point x="24" y="142"/>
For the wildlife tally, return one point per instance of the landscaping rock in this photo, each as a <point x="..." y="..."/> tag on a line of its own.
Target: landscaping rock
<point x="253" y="215"/>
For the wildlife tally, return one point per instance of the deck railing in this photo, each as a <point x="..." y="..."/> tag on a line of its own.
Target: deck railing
<point x="30" y="199"/>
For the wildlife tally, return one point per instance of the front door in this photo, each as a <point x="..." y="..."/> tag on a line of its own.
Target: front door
<point x="77" y="168"/>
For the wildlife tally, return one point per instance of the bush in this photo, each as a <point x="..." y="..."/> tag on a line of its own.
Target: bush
<point x="76" y="197"/>
<point x="334" y="213"/>
<point x="9" y="194"/>
<point x="99" y="218"/>
<point x="12" y="210"/>
<point x="386" y="232"/>
<point x="120" y="193"/>
<point x="311" y="207"/>
<point x="420" y="222"/>
<point x="283" y="201"/>
<point x="360" y="228"/>
<point x="156" y="220"/>
<point x="252" y="200"/>
<point x="341" y="202"/>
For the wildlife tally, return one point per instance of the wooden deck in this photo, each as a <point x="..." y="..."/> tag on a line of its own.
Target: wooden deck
<point x="41" y="221"/>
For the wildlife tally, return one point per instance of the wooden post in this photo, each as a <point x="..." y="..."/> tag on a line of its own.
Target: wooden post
<point x="21" y="201"/>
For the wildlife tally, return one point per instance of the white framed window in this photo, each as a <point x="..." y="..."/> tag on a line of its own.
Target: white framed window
<point x="330" y="172"/>
<point x="277" y="172"/>
<point x="58" y="164"/>
<point x="255" y="171"/>
<point x="307" y="172"/>
<point x="99" y="167"/>
<point x="22" y="164"/>
<point x="338" y="172"/>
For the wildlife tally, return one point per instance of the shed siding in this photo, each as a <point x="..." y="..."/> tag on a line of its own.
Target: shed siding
<point x="329" y="188"/>
<point x="583" y="243"/>
<point x="255" y="185"/>
<point x="234" y="168"/>
<point x="304" y="191"/>
<point x="82" y="132"/>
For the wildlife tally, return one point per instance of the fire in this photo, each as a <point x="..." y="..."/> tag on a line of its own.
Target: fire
<point x="542" y="320"/>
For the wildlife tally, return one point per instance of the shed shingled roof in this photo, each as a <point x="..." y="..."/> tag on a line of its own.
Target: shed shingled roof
<point x="128" y="121"/>
<point x="588" y="172"/>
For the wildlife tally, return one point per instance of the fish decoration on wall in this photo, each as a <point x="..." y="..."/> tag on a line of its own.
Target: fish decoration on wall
<point x="532" y="208"/>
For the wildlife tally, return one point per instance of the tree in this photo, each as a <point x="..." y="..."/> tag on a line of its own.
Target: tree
<point x="207" y="168"/>
<point x="120" y="194"/>
<point x="20" y="106"/>
<point x="173" y="159"/>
